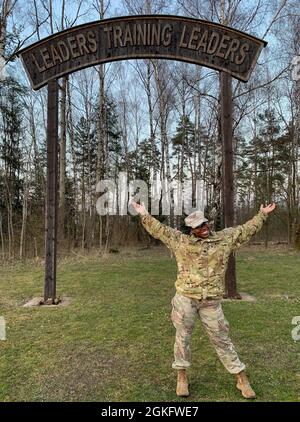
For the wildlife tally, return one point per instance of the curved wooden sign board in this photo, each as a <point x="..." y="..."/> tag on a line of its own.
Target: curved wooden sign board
<point x="139" y="37"/>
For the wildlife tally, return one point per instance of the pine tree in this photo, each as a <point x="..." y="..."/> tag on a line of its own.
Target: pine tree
<point x="11" y="136"/>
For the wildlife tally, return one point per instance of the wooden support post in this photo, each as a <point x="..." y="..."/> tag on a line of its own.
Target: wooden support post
<point x="228" y="193"/>
<point x="52" y="194"/>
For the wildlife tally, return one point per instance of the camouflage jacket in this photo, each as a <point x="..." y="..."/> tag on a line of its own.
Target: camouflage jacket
<point x="202" y="263"/>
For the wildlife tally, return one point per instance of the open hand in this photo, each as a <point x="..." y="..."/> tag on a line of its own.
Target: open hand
<point x="140" y="208"/>
<point x="269" y="208"/>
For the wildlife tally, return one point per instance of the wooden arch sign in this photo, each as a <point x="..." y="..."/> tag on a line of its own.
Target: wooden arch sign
<point x="134" y="37"/>
<point x="231" y="52"/>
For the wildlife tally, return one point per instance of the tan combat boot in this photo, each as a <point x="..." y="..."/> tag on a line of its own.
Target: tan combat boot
<point x="182" y="389"/>
<point x="244" y="386"/>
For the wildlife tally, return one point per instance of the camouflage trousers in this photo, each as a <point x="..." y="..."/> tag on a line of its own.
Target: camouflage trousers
<point x="184" y="313"/>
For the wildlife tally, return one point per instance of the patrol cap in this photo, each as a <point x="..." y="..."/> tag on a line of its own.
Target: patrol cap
<point x="195" y="219"/>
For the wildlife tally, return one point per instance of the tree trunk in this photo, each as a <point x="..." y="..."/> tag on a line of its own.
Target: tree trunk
<point x="24" y="221"/>
<point x="70" y="126"/>
<point x="62" y="158"/>
<point x="151" y="120"/>
<point x="1" y="237"/>
<point x="4" y="13"/>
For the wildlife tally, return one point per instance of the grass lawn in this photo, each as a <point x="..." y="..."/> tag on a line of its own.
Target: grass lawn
<point x="114" y="342"/>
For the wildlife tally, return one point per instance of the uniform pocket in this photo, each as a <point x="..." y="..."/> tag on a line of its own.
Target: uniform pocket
<point x="177" y="315"/>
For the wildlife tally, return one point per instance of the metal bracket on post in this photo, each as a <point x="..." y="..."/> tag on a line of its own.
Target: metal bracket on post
<point x="51" y="194"/>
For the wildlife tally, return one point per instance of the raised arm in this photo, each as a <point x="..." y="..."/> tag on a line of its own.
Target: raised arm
<point x="166" y="234"/>
<point x="242" y="234"/>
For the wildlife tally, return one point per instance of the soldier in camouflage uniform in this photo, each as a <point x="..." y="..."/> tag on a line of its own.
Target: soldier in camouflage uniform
<point x="202" y="258"/>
